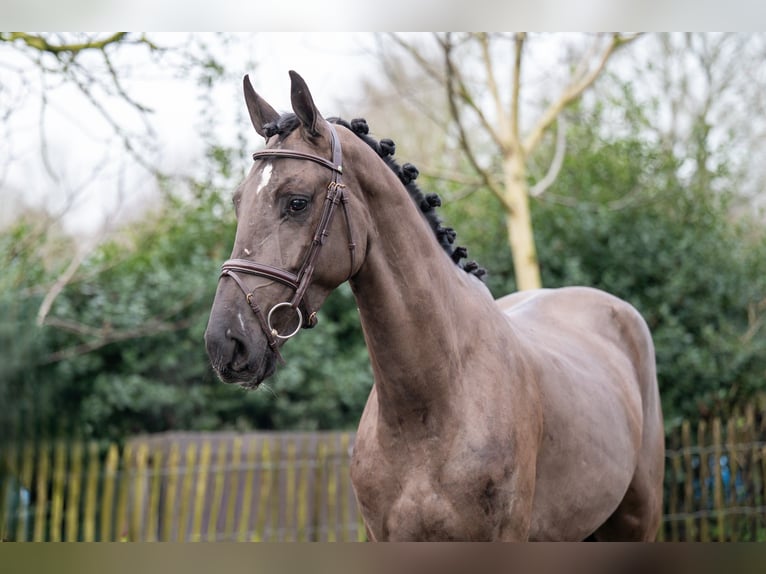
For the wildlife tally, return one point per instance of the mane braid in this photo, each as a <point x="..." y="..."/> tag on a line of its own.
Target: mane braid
<point x="407" y="173"/>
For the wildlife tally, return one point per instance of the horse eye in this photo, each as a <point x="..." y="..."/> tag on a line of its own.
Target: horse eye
<point x="298" y="204"/>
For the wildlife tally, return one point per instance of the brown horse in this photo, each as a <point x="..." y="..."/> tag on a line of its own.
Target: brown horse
<point x="533" y="417"/>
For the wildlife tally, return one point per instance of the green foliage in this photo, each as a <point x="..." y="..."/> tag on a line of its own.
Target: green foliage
<point x="328" y="376"/>
<point x="123" y="351"/>
<point x="26" y="269"/>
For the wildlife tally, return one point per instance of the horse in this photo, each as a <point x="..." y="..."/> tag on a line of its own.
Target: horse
<point x="535" y="416"/>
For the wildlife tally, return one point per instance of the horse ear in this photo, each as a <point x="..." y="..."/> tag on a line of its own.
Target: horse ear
<point x="261" y="113"/>
<point x="303" y="104"/>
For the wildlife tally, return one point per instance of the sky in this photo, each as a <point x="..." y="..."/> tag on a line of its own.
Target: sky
<point x="401" y="15"/>
<point x="334" y="66"/>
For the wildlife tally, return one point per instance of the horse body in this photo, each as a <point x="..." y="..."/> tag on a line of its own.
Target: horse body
<point x="532" y="417"/>
<point x="537" y="436"/>
<point x="601" y="455"/>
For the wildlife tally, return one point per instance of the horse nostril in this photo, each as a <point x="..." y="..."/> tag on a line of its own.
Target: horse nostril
<point x="239" y="359"/>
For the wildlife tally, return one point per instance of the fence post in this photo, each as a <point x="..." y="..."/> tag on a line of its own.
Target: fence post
<point x="718" y="483"/>
<point x="169" y="524"/>
<point x="290" y="488"/>
<point x="274" y="498"/>
<point x="247" y="490"/>
<point x="91" y="492"/>
<point x="107" y="502"/>
<point x="303" y="491"/>
<point x="217" y="502"/>
<point x="27" y="476"/>
<point x="732" y="455"/>
<point x="199" y="496"/>
<point x="332" y="489"/>
<point x="73" y="494"/>
<point x="123" y="491"/>
<point x="319" y="474"/>
<point x="754" y="498"/>
<point x="266" y="483"/>
<point x="9" y="488"/>
<point x="703" y="480"/>
<point x="345" y="487"/>
<point x="186" y="491"/>
<point x="153" y="508"/>
<point x="137" y="475"/>
<point x="57" y="493"/>
<point x="233" y="491"/>
<point x="675" y="465"/>
<point x="691" y="527"/>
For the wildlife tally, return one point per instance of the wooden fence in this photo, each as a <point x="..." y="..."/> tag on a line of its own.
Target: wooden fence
<point x="184" y="487"/>
<point x="715" y="487"/>
<point x="296" y="487"/>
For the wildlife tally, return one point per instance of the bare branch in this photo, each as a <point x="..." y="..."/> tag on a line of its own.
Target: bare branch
<point x="118" y="85"/>
<point x="439" y="174"/>
<point x="394" y="74"/>
<point x="495" y="187"/>
<point x="755" y="320"/>
<point x="519" y="40"/>
<point x="118" y="130"/>
<point x="106" y="336"/>
<point x="572" y="92"/>
<point x="43" y="139"/>
<point x="492" y="83"/>
<point x="558" y="160"/>
<point x="467" y="98"/>
<point x="422" y="61"/>
<point x="468" y="186"/>
<point x="42" y="44"/>
<point x="59" y="285"/>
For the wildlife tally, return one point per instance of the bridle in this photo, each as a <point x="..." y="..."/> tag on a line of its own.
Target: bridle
<point x="301" y="280"/>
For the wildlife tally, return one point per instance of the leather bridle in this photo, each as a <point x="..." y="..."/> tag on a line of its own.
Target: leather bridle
<point x="300" y="281"/>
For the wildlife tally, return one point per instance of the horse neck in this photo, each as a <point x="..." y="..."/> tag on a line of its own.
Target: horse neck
<point x="418" y="309"/>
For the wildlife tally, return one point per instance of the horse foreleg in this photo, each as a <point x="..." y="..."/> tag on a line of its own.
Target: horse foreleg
<point x="518" y="516"/>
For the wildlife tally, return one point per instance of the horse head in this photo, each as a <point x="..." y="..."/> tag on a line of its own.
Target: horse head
<point x="296" y="215"/>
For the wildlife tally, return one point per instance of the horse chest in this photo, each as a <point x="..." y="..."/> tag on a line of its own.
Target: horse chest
<point x="405" y="498"/>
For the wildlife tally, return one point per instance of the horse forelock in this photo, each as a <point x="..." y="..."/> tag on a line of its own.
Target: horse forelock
<point x="407" y="173"/>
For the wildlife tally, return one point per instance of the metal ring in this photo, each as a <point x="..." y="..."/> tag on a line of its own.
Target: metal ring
<point x="274" y="331"/>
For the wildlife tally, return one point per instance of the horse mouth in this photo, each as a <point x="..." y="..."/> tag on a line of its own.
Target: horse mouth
<point x="250" y="377"/>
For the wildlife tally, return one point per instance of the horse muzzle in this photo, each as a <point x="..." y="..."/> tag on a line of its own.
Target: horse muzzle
<point x="239" y="357"/>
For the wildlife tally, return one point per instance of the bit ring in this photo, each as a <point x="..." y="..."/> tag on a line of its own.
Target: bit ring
<point x="274" y="331"/>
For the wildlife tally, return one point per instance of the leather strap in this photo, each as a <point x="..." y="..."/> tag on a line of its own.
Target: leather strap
<point x="299" y="282"/>
<point x="270" y="336"/>
<point x="295" y="154"/>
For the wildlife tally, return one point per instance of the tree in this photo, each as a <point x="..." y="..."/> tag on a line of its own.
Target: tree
<point x="636" y="212"/>
<point x="52" y="323"/>
<point x="123" y="352"/>
<point x="102" y="147"/>
<point x="474" y="71"/>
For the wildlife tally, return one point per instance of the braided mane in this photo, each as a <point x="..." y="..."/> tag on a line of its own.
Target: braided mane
<point x="407" y="173"/>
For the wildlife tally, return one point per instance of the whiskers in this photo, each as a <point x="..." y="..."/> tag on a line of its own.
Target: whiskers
<point x="254" y="386"/>
<point x="267" y="387"/>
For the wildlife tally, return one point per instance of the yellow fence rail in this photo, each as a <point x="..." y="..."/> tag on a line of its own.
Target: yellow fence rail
<point x="183" y="487"/>
<point x="296" y="487"/>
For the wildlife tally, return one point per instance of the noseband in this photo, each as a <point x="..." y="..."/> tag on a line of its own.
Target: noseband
<point x="298" y="282"/>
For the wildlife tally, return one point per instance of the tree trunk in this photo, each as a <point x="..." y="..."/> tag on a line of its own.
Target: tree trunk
<point x="519" y="225"/>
